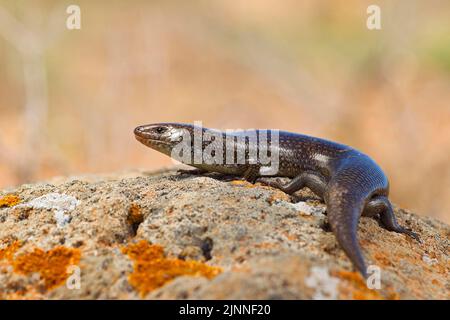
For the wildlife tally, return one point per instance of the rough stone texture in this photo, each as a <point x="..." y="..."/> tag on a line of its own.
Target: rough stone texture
<point x="268" y="245"/>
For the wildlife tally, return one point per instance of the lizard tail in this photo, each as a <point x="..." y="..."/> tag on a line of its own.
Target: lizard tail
<point x="348" y="191"/>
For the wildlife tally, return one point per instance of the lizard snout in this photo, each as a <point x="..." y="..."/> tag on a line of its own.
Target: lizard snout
<point x="139" y="131"/>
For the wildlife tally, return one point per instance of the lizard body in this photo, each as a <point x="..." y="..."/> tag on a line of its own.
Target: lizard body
<point x="350" y="183"/>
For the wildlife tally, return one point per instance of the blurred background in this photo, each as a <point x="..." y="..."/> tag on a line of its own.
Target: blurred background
<point x="69" y="99"/>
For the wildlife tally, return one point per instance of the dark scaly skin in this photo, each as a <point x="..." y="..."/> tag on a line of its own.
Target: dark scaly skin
<point x="350" y="183"/>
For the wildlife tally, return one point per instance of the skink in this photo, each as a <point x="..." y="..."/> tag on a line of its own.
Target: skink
<point x="350" y="183"/>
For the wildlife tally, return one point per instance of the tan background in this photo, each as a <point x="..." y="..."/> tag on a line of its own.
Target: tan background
<point x="69" y="100"/>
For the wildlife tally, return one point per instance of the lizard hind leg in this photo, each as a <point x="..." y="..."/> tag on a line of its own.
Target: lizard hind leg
<point x="251" y="174"/>
<point x="382" y="206"/>
<point x="313" y="181"/>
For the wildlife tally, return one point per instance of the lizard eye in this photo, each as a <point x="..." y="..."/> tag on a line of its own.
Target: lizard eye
<point x="160" y="130"/>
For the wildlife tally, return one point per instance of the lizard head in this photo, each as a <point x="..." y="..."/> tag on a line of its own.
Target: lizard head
<point x="162" y="136"/>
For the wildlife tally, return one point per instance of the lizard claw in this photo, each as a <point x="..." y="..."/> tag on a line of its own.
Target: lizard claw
<point x="413" y="235"/>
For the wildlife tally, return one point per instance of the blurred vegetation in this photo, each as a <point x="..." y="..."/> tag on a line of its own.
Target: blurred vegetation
<point x="70" y="99"/>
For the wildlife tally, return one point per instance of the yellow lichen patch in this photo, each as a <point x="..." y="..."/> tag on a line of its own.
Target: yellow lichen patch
<point x="9" y="200"/>
<point x="10" y="250"/>
<point x="152" y="269"/>
<point x="357" y="288"/>
<point x="51" y="265"/>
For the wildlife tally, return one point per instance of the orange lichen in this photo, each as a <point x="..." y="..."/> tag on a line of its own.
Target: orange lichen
<point x="278" y="196"/>
<point x="134" y="218"/>
<point x="10" y="250"/>
<point x="290" y="236"/>
<point x="357" y="286"/>
<point x="242" y="183"/>
<point x="382" y="259"/>
<point x="51" y="265"/>
<point x="9" y="200"/>
<point x="266" y="245"/>
<point x="134" y="214"/>
<point x="393" y="296"/>
<point x="152" y="269"/>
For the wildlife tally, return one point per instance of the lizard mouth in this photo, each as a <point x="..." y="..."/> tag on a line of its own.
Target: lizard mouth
<point x="149" y="141"/>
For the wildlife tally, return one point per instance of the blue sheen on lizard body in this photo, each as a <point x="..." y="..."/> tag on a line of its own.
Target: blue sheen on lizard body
<point x="350" y="182"/>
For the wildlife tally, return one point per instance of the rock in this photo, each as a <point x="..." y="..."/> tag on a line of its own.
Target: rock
<point x="166" y="235"/>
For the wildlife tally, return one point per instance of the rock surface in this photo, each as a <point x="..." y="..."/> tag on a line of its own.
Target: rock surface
<point x="166" y="235"/>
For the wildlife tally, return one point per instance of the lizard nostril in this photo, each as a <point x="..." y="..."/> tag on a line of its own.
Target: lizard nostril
<point x="138" y="130"/>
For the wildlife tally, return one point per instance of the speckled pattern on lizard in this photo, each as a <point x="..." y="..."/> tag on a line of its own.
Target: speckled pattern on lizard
<point x="350" y="182"/>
